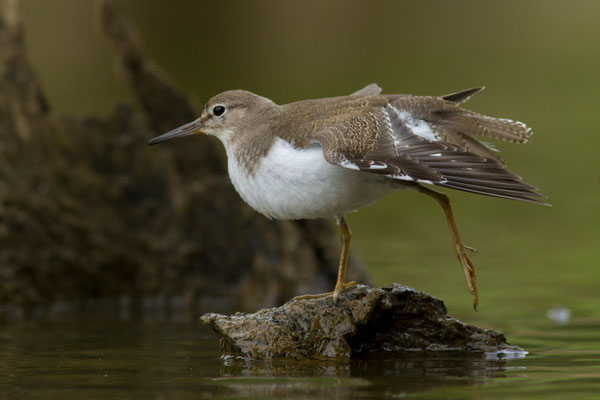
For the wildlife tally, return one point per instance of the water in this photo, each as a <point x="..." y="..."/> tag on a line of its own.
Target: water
<point x="104" y="357"/>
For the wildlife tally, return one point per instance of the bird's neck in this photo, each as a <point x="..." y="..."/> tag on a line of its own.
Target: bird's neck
<point x="248" y="146"/>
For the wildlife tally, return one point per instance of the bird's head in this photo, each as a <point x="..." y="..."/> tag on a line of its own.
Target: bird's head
<point x="225" y="115"/>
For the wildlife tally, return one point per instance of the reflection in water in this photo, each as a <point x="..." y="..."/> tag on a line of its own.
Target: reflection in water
<point x="375" y="376"/>
<point x="110" y="358"/>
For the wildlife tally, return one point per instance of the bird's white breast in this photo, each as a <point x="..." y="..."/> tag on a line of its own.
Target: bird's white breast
<point x="291" y="183"/>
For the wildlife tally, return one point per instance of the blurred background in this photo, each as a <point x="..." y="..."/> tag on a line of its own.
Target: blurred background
<point x="538" y="267"/>
<point x="538" y="60"/>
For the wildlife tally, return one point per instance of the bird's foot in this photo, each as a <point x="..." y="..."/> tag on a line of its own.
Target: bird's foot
<point x="311" y="296"/>
<point x="339" y="288"/>
<point x="469" y="271"/>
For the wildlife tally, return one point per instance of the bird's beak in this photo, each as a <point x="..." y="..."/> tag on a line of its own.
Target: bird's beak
<point x="184" y="130"/>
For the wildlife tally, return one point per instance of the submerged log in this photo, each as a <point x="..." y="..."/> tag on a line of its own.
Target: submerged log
<point x="364" y="320"/>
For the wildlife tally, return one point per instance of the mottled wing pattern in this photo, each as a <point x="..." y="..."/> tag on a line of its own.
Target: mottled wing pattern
<point x="417" y="138"/>
<point x="367" y="143"/>
<point x="348" y="115"/>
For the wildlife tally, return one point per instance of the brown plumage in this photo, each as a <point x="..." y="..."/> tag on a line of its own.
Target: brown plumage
<point x="327" y="157"/>
<point x="376" y="133"/>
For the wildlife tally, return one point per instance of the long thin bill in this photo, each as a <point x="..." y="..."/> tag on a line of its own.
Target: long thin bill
<point x="184" y="130"/>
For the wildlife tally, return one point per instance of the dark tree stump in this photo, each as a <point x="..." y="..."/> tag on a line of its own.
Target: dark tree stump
<point x="88" y="212"/>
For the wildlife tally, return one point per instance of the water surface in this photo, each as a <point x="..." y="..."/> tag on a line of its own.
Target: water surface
<point x="104" y="357"/>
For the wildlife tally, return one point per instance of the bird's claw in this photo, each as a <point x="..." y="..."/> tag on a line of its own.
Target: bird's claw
<point x="339" y="289"/>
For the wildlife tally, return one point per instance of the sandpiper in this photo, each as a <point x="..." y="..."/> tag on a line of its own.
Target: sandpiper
<point x="327" y="157"/>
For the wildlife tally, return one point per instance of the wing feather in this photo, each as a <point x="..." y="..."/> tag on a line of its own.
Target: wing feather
<point x="462" y="96"/>
<point x="370" y="89"/>
<point x="464" y="170"/>
<point x="414" y="138"/>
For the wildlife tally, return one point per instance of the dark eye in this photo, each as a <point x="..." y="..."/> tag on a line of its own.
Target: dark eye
<point x="218" y="110"/>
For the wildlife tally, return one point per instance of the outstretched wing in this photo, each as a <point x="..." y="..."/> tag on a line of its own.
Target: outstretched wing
<point x="460" y="168"/>
<point x="421" y="139"/>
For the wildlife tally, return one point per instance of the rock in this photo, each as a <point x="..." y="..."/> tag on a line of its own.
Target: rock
<point x="393" y="319"/>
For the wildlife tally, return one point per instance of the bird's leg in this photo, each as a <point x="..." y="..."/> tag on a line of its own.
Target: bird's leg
<point x="340" y="285"/>
<point x="459" y="246"/>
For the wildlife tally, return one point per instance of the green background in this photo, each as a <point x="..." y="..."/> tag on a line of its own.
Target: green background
<point x="539" y="61"/>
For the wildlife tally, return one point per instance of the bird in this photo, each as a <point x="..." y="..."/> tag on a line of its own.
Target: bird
<point x="325" y="158"/>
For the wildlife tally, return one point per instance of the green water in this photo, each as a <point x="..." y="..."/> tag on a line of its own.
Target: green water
<point x="107" y="358"/>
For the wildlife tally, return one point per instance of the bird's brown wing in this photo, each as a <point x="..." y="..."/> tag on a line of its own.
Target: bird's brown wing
<point x="416" y="139"/>
<point x="455" y="125"/>
<point x="366" y="142"/>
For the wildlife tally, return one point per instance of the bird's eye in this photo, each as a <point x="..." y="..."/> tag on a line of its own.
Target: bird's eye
<point x="218" y="110"/>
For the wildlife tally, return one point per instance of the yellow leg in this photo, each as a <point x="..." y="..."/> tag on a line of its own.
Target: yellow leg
<point x="459" y="246"/>
<point x="340" y="285"/>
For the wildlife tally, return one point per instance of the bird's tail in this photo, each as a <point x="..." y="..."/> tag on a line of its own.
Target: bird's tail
<point x="475" y="124"/>
<point x="471" y="123"/>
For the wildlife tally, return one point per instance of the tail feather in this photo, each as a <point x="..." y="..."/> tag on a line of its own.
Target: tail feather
<point x="471" y="123"/>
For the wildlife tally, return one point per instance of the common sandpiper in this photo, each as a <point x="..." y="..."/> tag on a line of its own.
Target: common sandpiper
<point x="327" y="157"/>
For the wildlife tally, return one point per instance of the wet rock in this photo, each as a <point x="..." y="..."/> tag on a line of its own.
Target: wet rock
<point x="364" y="320"/>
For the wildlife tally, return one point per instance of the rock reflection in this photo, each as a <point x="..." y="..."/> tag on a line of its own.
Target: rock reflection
<point x="376" y="377"/>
